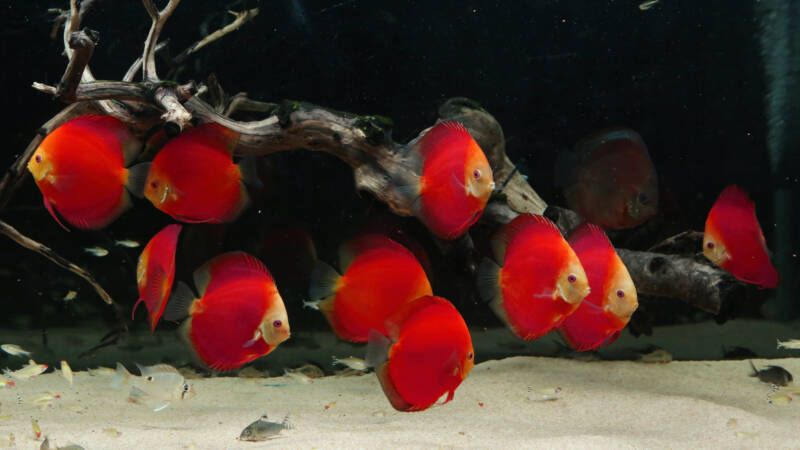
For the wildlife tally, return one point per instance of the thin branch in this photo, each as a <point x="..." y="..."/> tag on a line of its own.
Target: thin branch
<point x="48" y="253"/>
<point x="240" y="102"/>
<point x="137" y="65"/>
<point x="241" y="18"/>
<point x="159" y="18"/>
<point x="82" y="43"/>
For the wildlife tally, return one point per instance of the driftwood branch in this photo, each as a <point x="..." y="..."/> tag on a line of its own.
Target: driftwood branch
<point x="48" y="253"/>
<point x="240" y="18"/>
<point x="82" y="43"/>
<point x="701" y="285"/>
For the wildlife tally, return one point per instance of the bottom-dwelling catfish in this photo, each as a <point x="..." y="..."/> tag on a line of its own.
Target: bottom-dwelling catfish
<point x="158" y="386"/>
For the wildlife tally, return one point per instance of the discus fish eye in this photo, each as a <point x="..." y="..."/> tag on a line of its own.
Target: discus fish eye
<point x="38" y="158"/>
<point x="643" y="198"/>
<point x="277" y="324"/>
<point x="710" y="245"/>
<point x="150" y="378"/>
<point x="572" y="278"/>
<point x="154" y="184"/>
<point x="476" y="174"/>
<point x="470" y="355"/>
<point x="620" y="293"/>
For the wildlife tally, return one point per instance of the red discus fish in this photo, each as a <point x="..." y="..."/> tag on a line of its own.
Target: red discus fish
<point x="80" y="170"/>
<point x="193" y="178"/>
<point x="380" y="276"/>
<point x="155" y="273"/>
<point x="428" y="353"/>
<point x="734" y="241"/>
<point x="239" y="316"/>
<point x="456" y="179"/>
<point x="541" y="282"/>
<point x="609" y="179"/>
<point x="612" y="296"/>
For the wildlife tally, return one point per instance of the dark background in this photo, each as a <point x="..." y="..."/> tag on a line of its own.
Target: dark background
<point x="687" y="75"/>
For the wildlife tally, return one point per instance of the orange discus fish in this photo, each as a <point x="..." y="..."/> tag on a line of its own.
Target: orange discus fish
<point x="612" y="296"/>
<point x="541" y="281"/>
<point x="239" y="316"/>
<point x="80" y="170"/>
<point x="193" y="177"/>
<point x="155" y="273"/>
<point x="380" y="276"/>
<point x="734" y="241"/>
<point x="609" y="179"/>
<point x="428" y="353"/>
<point x="456" y="179"/>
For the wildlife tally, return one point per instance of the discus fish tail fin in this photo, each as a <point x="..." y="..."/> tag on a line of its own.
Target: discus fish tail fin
<point x="137" y="179"/>
<point x="179" y="303"/>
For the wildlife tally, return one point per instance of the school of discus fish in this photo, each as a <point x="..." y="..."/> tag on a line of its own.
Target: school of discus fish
<point x="536" y="281"/>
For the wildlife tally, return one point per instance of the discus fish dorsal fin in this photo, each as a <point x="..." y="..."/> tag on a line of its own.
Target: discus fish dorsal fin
<point x="503" y="238"/>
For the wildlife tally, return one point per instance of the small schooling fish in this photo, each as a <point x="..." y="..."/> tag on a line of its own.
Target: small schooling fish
<point x="158" y="386"/>
<point x="262" y="429"/>
<point x="15" y="350"/>
<point x="129" y="243"/>
<point x="352" y="362"/>
<point x="5" y="382"/>
<point x="644" y="6"/>
<point x="96" y="251"/>
<point x="30" y="370"/>
<point x="70" y="296"/>
<point x="776" y="375"/>
<point x="66" y="372"/>
<point x="793" y="344"/>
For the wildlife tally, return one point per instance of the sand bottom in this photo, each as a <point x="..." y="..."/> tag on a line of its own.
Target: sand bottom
<point x="509" y="403"/>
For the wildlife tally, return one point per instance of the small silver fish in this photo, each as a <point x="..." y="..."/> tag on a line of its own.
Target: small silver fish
<point x="793" y="344"/>
<point x="297" y="376"/>
<point x="66" y="371"/>
<point x="5" y="382"/>
<point x="644" y="6"/>
<point x="70" y="296"/>
<point x="15" y="350"/>
<point x="96" y="251"/>
<point x="127" y="243"/>
<point x="159" y="385"/>
<point x="262" y="429"/>
<point x="30" y="370"/>
<point x="352" y="362"/>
